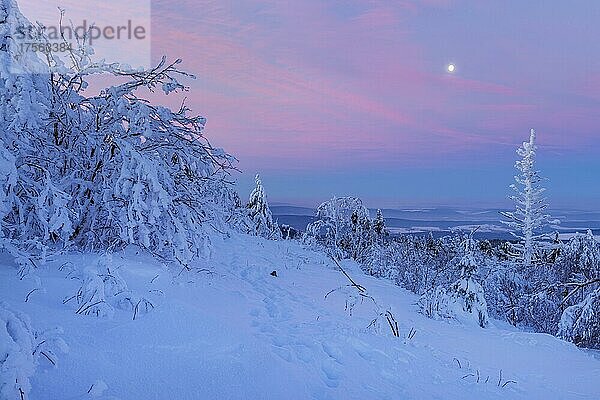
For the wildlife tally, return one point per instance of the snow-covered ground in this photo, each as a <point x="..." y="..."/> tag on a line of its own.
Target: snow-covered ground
<point x="231" y="330"/>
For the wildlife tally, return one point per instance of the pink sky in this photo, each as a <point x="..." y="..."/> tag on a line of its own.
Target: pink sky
<point x="303" y="86"/>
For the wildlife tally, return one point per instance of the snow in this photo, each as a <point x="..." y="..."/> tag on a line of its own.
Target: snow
<point x="97" y="389"/>
<point x="230" y="330"/>
<point x="567" y="236"/>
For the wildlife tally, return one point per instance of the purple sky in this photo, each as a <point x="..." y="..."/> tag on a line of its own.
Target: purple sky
<point x="330" y="98"/>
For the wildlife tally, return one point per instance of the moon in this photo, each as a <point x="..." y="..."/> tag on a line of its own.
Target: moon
<point x="450" y="68"/>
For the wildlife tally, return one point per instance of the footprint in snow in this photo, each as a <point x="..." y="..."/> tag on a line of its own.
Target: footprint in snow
<point x="304" y="354"/>
<point x="283" y="352"/>
<point x="364" y="351"/>
<point x="332" y="371"/>
<point x="333" y="352"/>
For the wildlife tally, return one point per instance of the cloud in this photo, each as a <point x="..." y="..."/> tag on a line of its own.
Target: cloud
<point x="316" y="83"/>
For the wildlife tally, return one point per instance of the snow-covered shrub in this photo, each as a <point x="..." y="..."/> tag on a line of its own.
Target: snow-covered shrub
<point x="21" y="350"/>
<point x="579" y="259"/>
<point x="580" y="323"/>
<point x="103" y="290"/>
<point x="375" y="262"/>
<point x="109" y="169"/>
<point x="343" y="227"/>
<point x="464" y="300"/>
<point x="418" y="263"/>
<point x="504" y="289"/>
<point x="261" y="219"/>
<point x="7" y="180"/>
<point x="523" y="296"/>
<point x="552" y="297"/>
<point x="17" y="363"/>
<point x="467" y="291"/>
<point x="436" y="304"/>
<point x="578" y="267"/>
<point x="540" y="310"/>
<point x="223" y="200"/>
<point x="90" y="298"/>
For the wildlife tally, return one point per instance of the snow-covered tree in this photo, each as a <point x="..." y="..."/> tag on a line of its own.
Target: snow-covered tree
<point x="109" y="169"/>
<point x="467" y="291"/>
<point x="261" y="219"/>
<point x="8" y="175"/>
<point x="32" y="203"/>
<point x="342" y="226"/>
<point x="379" y="224"/>
<point x="529" y="218"/>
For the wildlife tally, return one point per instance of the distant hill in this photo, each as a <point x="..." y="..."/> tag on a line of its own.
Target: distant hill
<point x="443" y="220"/>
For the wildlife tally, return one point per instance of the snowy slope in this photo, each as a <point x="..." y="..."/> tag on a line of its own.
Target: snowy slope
<point x="236" y="332"/>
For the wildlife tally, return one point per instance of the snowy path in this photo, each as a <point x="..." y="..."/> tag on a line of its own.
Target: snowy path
<point x="240" y="333"/>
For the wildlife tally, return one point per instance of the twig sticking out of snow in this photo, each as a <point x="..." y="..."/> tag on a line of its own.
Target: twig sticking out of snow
<point x="142" y="305"/>
<point x="358" y="287"/>
<point x="97" y="388"/>
<point x="362" y="292"/>
<point x="392" y="322"/>
<point x="500" y="384"/>
<point x="29" y="294"/>
<point x="458" y="362"/>
<point x="500" y="378"/>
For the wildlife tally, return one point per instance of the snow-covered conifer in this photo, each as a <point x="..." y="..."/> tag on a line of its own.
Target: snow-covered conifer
<point x="529" y="218"/>
<point x="262" y="223"/>
<point x="467" y="291"/>
<point x="379" y="224"/>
